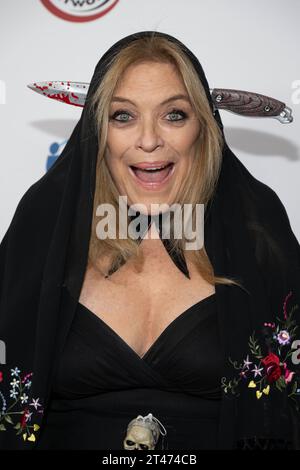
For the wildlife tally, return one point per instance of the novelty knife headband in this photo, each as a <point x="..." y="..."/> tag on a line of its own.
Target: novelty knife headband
<point x="244" y="103"/>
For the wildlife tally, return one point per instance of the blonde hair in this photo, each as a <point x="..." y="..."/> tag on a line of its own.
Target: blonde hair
<point x="202" y="179"/>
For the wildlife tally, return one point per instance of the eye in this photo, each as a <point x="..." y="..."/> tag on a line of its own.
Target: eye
<point x="121" y="113"/>
<point x="123" y="116"/>
<point x="177" y="112"/>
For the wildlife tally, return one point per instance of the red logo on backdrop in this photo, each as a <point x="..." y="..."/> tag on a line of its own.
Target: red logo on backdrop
<point x="79" y="10"/>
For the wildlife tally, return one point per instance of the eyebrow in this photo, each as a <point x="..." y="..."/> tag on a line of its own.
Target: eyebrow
<point x="168" y="100"/>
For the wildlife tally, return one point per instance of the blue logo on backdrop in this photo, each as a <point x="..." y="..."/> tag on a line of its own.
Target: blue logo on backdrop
<point x="55" y="150"/>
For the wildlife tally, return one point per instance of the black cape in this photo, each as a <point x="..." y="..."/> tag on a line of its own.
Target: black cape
<point x="247" y="236"/>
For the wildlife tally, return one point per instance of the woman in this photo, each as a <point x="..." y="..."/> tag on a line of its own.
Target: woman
<point x="141" y="343"/>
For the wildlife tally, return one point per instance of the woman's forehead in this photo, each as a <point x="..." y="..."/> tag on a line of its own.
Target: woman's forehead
<point x="163" y="84"/>
<point x="150" y="69"/>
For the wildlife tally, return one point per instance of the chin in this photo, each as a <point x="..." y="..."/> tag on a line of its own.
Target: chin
<point x="145" y="206"/>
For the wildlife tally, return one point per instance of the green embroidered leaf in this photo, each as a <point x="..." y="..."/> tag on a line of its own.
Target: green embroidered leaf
<point x="254" y="347"/>
<point x="20" y="431"/>
<point x="230" y="386"/>
<point x="294" y="389"/>
<point x="294" y="307"/>
<point x="2" y="427"/>
<point x="292" y="332"/>
<point x="8" y="419"/>
<point x="17" y="426"/>
<point x="280" y="383"/>
<point x="235" y="364"/>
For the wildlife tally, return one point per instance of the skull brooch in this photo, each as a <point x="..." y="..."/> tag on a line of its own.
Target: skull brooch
<point x="143" y="433"/>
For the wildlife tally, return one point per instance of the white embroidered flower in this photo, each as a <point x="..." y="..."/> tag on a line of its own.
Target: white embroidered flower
<point x="257" y="371"/>
<point x="15" y="371"/>
<point x="28" y="415"/>
<point x="247" y="363"/>
<point x="15" y="383"/>
<point x="35" y="403"/>
<point x="13" y="393"/>
<point x="24" y="398"/>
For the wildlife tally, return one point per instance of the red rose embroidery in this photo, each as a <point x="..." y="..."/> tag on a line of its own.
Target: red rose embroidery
<point x="23" y="418"/>
<point x="272" y="367"/>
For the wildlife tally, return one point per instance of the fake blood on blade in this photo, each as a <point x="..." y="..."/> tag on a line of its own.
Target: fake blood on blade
<point x="152" y="179"/>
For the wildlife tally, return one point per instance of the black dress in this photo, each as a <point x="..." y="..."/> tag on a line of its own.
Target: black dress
<point x="102" y="384"/>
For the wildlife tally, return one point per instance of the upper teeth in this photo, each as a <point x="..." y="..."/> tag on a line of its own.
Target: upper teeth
<point x="156" y="168"/>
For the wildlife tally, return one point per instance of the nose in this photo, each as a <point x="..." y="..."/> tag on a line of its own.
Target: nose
<point x="149" y="137"/>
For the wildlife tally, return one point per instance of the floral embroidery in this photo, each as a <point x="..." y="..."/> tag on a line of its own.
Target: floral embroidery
<point x="262" y="372"/>
<point x="20" y="413"/>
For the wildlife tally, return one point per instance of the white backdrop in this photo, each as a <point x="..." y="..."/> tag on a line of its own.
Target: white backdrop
<point x="249" y="44"/>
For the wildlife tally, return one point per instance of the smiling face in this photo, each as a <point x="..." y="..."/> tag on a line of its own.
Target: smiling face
<point x="149" y="128"/>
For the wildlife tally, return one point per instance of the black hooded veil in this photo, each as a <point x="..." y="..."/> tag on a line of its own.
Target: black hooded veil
<point x="247" y="237"/>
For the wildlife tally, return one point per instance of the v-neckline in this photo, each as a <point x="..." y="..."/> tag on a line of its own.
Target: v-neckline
<point x="159" y="339"/>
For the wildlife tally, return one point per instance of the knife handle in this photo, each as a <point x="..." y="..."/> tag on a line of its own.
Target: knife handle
<point x="246" y="103"/>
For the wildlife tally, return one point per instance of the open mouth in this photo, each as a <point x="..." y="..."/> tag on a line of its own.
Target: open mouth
<point x="156" y="175"/>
